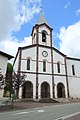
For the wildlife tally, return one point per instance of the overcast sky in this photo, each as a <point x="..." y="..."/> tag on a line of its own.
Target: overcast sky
<point x="17" y="17"/>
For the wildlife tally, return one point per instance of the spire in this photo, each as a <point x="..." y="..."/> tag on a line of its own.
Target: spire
<point x="41" y="19"/>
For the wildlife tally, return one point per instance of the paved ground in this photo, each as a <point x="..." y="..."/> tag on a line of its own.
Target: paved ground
<point x="76" y="117"/>
<point x="30" y="105"/>
<point x="25" y="105"/>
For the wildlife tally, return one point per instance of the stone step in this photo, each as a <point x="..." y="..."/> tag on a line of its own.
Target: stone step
<point x="48" y="100"/>
<point x="27" y="100"/>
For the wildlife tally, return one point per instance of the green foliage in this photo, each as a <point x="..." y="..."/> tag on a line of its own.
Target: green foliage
<point x="8" y="88"/>
<point x="8" y="80"/>
<point x="9" y="68"/>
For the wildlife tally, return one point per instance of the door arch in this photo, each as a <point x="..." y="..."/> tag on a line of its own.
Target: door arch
<point x="27" y="91"/>
<point x="60" y="90"/>
<point x="45" y="90"/>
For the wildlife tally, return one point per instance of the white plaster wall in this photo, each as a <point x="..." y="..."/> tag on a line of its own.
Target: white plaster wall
<point x="58" y="58"/>
<point x="41" y="28"/>
<point x="15" y="67"/>
<point x="74" y="87"/>
<point x="32" y="66"/>
<point x="3" y="64"/>
<point x="44" y="78"/>
<point x="44" y="27"/>
<point x="76" y="66"/>
<point x="34" y="37"/>
<point x="48" y="67"/>
<point x="74" y="80"/>
<point x="29" y="53"/>
<point x="58" y="79"/>
<point x="47" y="59"/>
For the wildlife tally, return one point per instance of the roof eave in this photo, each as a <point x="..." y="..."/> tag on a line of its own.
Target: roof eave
<point x="6" y="55"/>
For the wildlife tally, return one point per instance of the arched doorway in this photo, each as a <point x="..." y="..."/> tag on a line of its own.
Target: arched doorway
<point x="27" y="90"/>
<point x="45" y="90"/>
<point x="60" y="90"/>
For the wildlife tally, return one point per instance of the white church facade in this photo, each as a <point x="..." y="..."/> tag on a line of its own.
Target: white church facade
<point x="49" y="73"/>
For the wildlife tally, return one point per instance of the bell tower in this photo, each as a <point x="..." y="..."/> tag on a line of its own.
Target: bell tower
<point x="42" y="32"/>
<point x="42" y="38"/>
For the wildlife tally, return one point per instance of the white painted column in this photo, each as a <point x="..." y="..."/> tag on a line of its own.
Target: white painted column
<point x="66" y="95"/>
<point x="20" y="92"/>
<point x="34" y="91"/>
<point x="39" y="92"/>
<point x="1" y="93"/>
<point x="55" y="91"/>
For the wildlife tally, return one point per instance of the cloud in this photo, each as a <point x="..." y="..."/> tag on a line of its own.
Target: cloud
<point x="7" y="18"/>
<point x="77" y="12"/>
<point x="67" y="5"/>
<point x="70" y="40"/>
<point x="14" y="14"/>
<point x="11" y="45"/>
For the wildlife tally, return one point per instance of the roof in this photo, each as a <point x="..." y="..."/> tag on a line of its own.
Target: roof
<point x="70" y="58"/>
<point x="34" y="45"/>
<point x="41" y="19"/>
<point x="6" y="55"/>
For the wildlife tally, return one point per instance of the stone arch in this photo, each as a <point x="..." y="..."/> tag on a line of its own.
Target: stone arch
<point x="60" y="90"/>
<point x="27" y="91"/>
<point x="44" y="31"/>
<point x="45" y="90"/>
<point x="44" y="36"/>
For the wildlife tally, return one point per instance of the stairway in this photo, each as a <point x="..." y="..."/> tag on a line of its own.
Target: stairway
<point x="48" y="100"/>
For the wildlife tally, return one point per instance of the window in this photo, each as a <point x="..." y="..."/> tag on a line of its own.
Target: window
<point x="0" y="70"/>
<point x="44" y="66"/>
<point x="58" y="67"/>
<point x="34" y="35"/>
<point x="73" y="70"/>
<point x="43" y="37"/>
<point x="28" y="64"/>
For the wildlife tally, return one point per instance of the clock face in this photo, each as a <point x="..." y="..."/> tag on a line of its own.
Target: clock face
<point x="44" y="53"/>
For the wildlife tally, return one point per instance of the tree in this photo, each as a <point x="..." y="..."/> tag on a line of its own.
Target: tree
<point x="8" y="80"/>
<point x="12" y="81"/>
<point x="1" y="80"/>
<point x="17" y="81"/>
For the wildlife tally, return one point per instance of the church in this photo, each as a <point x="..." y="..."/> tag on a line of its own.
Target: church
<point x="49" y="72"/>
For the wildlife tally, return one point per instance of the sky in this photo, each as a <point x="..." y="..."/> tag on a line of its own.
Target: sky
<point x="17" y="18"/>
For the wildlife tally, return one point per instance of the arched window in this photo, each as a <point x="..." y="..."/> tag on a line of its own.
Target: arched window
<point x="43" y="37"/>
<point x="44" y="66"/>
<point x="73" y="70"/>
<point x="28" y="64"/>
<point x="58" y="67"/>
<point x="0" y="70"/>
